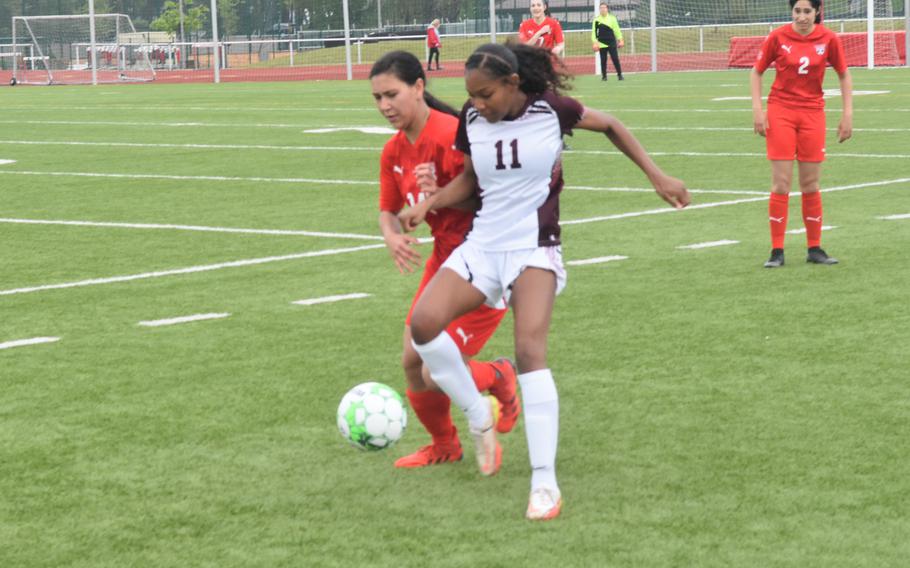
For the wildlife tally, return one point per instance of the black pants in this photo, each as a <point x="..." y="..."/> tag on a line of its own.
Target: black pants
<point x="433" y="51"/>
<point x="614" y="55"/>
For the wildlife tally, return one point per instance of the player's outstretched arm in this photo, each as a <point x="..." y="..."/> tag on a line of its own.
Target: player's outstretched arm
<point x="400" y="245"/>
<point x="456" y="192"/>
<point x="670" y="189"/>
<point x="759" y="117"/>
<point x="845" y="128"/>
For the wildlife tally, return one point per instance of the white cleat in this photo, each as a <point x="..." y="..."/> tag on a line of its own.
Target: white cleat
<point x="486" y="446"/>
<point x="544" y="504"/>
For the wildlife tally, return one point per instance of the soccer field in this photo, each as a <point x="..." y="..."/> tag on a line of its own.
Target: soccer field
<point x="713" y="413"/>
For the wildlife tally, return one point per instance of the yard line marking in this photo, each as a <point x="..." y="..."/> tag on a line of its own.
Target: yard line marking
<point x="895" y="217"/>
<point x="651" y="190"/>
<point x="598" y="260"/>
<point x="189" y="146"/>
<point x="182" y="319"/>
<point x="327" y="299"/>
<point x="709" y="244"/>
<point x="803" y="230"/>
<point x="23" y="342"/>
<point x="720" y="203"/>
<point x="5" y="162"/>
<point x="192" y="228"/>
<point x="192" y="178"/>
<point x="188" y="270"/>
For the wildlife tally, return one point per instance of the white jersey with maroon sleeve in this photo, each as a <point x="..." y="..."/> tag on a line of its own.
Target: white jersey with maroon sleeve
<point x="519" y="171"/>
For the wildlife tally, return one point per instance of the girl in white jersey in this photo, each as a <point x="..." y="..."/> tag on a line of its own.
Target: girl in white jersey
<point x="511" y="133"/>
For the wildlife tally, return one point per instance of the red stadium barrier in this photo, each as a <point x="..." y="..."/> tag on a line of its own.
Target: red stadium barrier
<point x="890" y="49"/>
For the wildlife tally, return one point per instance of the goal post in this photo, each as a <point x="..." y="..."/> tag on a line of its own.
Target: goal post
<point x="62" y="51"/>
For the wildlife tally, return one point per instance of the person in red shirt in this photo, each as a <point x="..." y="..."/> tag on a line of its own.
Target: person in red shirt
<point x="794" y="124"/>
<point x="541" y="30"/>
<point x="426" y="137"/>
<point x="434" y="43"/>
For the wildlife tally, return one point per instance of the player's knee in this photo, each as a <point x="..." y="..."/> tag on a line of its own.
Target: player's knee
<point x="530" y="354"/>
<point x="425" y="327"/>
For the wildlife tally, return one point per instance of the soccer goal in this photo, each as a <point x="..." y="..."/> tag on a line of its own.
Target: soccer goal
<point x="61" y="50"/>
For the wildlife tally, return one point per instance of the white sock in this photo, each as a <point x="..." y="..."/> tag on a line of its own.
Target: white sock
<point x="541" y="408"/>
<point x="448" y="370"/>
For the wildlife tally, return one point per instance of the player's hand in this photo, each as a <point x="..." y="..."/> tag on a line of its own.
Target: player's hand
<point x="412" y="217"/>
<point x="401" y="249"/>
<point x="596" y="47"/>
<point x="544" y="30"/>
<point x="620" y="43"/>
<point x="760" y="122"/>
<point x="672" y="190"/>
<point x="426" y="178"/>
<point x="845" y="128"/>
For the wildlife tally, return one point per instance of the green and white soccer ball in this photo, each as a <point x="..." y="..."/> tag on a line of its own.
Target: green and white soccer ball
<point x="372" y="416"/>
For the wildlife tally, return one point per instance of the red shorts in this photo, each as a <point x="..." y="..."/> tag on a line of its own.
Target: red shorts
<point x="472" y="330"/>
<point x="795" y="133"/>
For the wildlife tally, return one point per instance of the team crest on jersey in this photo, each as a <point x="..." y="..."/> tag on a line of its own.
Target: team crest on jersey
<point x="820" y="48"/>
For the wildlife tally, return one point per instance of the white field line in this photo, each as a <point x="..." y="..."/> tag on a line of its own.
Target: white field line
<point x="803" y="230"/>
<point x="377" y="149"/>
<point x="192" y="228"/>
<point x="191" y="146"/>
<point x="23" y="342"/>
<point x="188" y="270"/>
<point x="328" y="299"/>
<point x="5" y="162"/>
<point x="192" y="178"/>
<point x="709" y="244"/>
<point x="598" y="260"/>
<point x="182" y="319"/>
<point x="720" y="203"/>
<point x="895" y="217"/>
<point x="651" y="190"/>
<point x="115" y="107"/>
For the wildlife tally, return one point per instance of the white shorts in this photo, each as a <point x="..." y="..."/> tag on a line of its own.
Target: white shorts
<point x="493" y="272"/>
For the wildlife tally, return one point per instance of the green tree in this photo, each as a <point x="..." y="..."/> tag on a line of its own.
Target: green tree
<point x="194" y="17"/>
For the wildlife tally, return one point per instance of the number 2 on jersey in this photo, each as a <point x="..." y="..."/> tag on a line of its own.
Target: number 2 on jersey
<point x="803" y="66"/>
<point x="515" y="163"/>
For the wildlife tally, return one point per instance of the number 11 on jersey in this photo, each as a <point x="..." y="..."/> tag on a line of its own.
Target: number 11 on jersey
<point x="515" y="163"/>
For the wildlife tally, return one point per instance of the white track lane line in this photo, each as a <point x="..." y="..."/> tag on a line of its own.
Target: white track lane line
<point x="182" y="319"/>
<point x="665" y="210"/>
<point x="597" y="260"/>
<point x="708" y="244"/>
<point x="188" y="270"/>
<point x="281" y="232"/>
<point x="24" y="342"/>
<point x="895" y="217"/>
<point x="803" y="229"/>
<point x="329" y="299"/>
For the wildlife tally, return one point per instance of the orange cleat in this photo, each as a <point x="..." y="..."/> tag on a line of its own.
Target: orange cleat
<point x="544" y="504"/>
<point x="432" y="454"/>
<point x="505" y="389"/>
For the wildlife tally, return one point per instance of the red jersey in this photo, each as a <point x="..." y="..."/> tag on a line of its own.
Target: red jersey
<point x="549" y="40"/>
<point x="800" y="62"/>
<point x="398" y="185"/>
<point x="433" y="37"/>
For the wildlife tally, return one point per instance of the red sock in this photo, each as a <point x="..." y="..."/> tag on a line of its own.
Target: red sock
<point x="777" y="218"/>
<point x="484" y="374"/>
<point x="433" y="409"/>
<point x="812" y="217"/>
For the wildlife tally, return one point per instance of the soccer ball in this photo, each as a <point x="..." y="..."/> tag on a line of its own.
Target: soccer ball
<point x="372" y="416"/>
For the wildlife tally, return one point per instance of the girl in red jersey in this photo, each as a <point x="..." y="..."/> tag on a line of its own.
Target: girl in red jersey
<point x="510" y="132"/>
<point x="794" y="124"/>
<point x="541" y="30"/>
<point x="426" y="134"/>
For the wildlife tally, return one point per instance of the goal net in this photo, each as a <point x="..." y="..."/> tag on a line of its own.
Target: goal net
<point x="58" y="50"/>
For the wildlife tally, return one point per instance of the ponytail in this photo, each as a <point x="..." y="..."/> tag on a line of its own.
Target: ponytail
<point x="534" y="66"/>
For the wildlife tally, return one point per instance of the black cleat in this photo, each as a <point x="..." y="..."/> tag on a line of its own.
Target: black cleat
<point x="776" y="260"/>
<point x="604" y="78"/>
<point x="817" y="256"/>
<point x="621" y="78"/>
